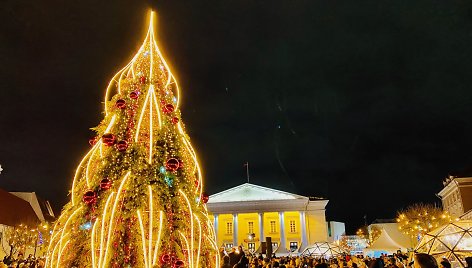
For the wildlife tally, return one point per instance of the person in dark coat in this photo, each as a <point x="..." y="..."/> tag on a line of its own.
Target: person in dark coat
<point x="233" y="257"/>
<point x="468" y="260"/>
<point x="225" y="263"/>
<point x="423" y="260"/>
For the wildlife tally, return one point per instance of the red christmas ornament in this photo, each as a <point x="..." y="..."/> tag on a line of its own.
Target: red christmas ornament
<point x="122" y="146"/>
<point x="134" y="95"/>
<point x="120" y="104"/>
<point x="178" y="263"/>
<point x="143" y="79"/>
<point x="172" y="164"/>
<point x="175" y="120"/>
<point x="205" y="197"/>
<point x="165" y="258"/>
<point x="105" y="184"/>
<point x="93" y="141"/>
<point x="90" y="197"/>
<point x="168" y="108"/>
<point x="108" y="139"/>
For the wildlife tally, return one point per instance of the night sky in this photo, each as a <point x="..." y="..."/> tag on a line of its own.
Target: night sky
<point x="366" y="103"/>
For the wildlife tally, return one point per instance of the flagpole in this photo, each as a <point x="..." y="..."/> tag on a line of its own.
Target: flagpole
<point x="247" y="171"/>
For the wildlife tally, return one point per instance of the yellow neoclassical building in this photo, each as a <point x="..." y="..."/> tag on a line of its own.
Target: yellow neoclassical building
<point x="247" y="214"/>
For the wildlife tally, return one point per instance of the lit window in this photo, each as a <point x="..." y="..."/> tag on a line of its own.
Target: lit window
<point x="229" y="245"/>
<point x="250" y="227"/>
<point x="275" y="245"/>
<point x="251" y="246"/>
<point x="272" y="227"/>
<point x="292" y="227"/>
<point x="229" y="228"/>
<point x="293" y="246"/>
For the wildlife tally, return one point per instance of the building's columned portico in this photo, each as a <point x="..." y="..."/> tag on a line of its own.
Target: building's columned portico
<point x="247" y="214"/>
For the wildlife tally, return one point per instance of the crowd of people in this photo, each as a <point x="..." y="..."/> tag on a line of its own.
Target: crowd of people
<point x="237" y="258"/>
<point x="21" y="262"/>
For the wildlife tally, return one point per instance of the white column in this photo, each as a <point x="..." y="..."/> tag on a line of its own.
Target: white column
<point x="303" y="230"/>
<point x="261" y="226"/>
<point x="235" y="229"/>
<point x="215" y="226"/>
<point x="282" y="231"/>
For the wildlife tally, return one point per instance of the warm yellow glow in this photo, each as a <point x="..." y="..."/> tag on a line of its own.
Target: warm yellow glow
<point x="51" y="258"/>
<point x="63" y="230"/>
<point x="191" y="225"/>
<point x="170" y="76"/>
<point x="107" y="91"/>
<point x="199" y="240"/>
<point x="94" y="228"/>
<point x="138" y="129"/>
<point x="60" y="252"/>
<point x="65" y="235"/>
<point x="190" y="262"/>
<point x="151" y="30"/>
<point x="102" y="231"/>
<point x="110" y="125"/>
<point x="151" y="129"/>
<point x="156" y="106"/>
<point x="79" y="169"/>
<point x="156" y="248"/>
<point x="54" y="236"/>
<point x="112" y="218"/>
<point x="93" y="151"/>
<point x="143" y="238"/>
<point x="194" y="156"/>
<point x="142" y="122"/>
<point x="150" y="223"/>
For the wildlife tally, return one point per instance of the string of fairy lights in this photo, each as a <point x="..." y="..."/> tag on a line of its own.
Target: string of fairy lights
<point x="140" y="181"/>
<point x="24" y="236"/>
<point x="419" y="219"/>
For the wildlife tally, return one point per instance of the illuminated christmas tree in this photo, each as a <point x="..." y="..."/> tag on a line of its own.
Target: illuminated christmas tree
<point x="136" y="198"/>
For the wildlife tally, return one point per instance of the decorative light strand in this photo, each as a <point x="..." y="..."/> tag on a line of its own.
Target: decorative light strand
<point x="143" y="238"/>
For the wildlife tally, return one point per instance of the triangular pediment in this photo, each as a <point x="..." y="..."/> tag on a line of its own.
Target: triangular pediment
<point x="251" y="192"/>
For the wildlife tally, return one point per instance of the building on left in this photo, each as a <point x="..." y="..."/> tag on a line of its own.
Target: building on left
<point x="24" y="208"/>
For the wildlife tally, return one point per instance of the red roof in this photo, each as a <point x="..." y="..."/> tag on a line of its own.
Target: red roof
<point x="15" y="211"/>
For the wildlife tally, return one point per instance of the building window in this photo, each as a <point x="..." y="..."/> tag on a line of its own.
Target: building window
<point x="293" y="246"/>
<point x="251" y="246"/>
<point x="272" y="227"/>
<point x="250" y="227"/>
<point x="275" y="245"/>
<point x="229" y="228"/>
<point x="229" y="245"/>
<point x="292" y="227"/>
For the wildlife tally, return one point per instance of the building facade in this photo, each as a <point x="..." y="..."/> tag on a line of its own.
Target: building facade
<point x="336" y="230"/>
<point x="456" y="196"/>
<point x="21" y="208"/>
<point x="247" y="214"/>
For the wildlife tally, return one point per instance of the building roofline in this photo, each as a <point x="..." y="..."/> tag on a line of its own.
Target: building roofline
<point x="257" y="186"/>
